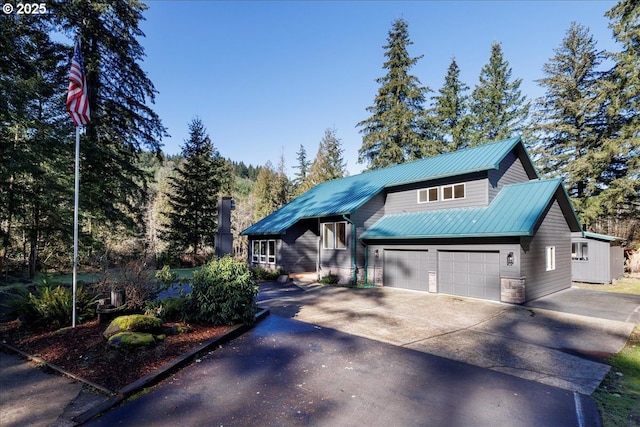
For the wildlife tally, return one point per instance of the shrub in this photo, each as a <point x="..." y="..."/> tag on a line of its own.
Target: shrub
<point x="136" y="279"/>
<point x="330" y="279"/>
<point x="170" y="309"/>
<point x="223" y="293"/>
<point x="264" y="274"/>
<point x="53" y="306"/>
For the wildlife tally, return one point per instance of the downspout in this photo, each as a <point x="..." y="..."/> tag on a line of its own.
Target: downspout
<point x="354" y="264"/>
<point x="366" y="264"/>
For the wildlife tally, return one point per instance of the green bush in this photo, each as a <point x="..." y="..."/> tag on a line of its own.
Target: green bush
<point x="223" y="293"/>
<point x="169" y="309"/>
<point x="264" y="274"/>
<point x="53" y="306"/>
<point x="330" y="279"/>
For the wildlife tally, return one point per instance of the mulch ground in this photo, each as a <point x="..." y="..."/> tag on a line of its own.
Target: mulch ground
<point x="84" y="351"/>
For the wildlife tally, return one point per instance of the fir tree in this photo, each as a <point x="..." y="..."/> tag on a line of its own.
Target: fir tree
<point x="498" y="107"/>
<point x="35" y="192"/>
<point x="450" y="117"/>
<point x="621" y="143"/>
<point x="303" y="169"/>
<point x="122" y="121"/>
<point x="569" y="117"/>
<point x="195" y="189"/>
<point x="392" y="134"/>
<point x="328" y="164"/>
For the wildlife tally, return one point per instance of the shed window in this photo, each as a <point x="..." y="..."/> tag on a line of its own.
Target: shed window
<point x="551" y="258"/>
<point x="580" y="251"/>
<point x="334" y="235"/>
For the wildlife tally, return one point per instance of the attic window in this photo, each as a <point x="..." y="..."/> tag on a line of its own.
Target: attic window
<point x="426" y="195"/>
<point x="456" y="191"/>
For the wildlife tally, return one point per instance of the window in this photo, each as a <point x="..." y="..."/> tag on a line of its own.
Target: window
<point x="428" y="195"/>
<point x="255" y="251"/>
<point x="334" y="235"/>
<point x="580" y="251"/>
<point x="551" y="258"/>
<point x="271" y="251"/>
<point x="453" y="192"/>
<point x="263" y="251"/>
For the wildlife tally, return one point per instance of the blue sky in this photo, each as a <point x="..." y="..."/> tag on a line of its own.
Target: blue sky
<point x="266" y="77"/>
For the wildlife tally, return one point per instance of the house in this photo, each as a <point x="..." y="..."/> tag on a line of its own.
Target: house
<point x="596" y="258"/>
<point x="476" y="222"/>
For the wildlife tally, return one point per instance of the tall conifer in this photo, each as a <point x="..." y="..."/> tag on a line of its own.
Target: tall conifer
<point x="392" y="134"/>
<point x="497" y="104"/>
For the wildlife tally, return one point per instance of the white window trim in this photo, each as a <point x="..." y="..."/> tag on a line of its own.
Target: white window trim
<point x="426" y="191"/>
<point x="550" y="258"/>
<point x="333" y="243"/>
<point x="263" y="258"/>
<point x="453" y="192"/>
<point x="579" y="254"/>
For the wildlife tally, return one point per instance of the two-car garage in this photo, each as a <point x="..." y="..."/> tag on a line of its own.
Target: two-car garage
<point x="466" y="273"/>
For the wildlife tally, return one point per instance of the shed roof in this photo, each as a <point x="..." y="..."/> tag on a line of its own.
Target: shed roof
<point x="346" y="195"/>
<point x="603" y="237"/>
<point x="515" y="211"/>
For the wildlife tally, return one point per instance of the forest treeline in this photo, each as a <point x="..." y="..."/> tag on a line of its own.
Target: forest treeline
<point x="139" y="203"/>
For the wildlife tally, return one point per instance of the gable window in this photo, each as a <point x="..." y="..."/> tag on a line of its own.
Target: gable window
<point x="263" y="251"/>
<point x="426" y="195"/>
<point x="580" y="251"/>
<point x="334" y="235"/>
<point x="455" y="191"/>
<point x="551" y="258"/>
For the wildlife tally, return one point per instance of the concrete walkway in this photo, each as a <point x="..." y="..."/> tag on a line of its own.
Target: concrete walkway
<point x="550" y="347"/>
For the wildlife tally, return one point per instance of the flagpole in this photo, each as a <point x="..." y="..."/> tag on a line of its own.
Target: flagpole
<point x="75" y="224"/>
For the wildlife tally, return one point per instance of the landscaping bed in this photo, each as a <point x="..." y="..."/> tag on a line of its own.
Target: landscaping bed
<point x="84" y="351"/>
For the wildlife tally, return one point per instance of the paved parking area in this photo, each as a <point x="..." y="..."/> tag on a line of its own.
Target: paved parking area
<point x="552" y="347"/>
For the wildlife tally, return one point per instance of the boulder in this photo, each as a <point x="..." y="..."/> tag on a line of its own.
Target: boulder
<point x="132" y="340"/>
<point x="133" y="323"/>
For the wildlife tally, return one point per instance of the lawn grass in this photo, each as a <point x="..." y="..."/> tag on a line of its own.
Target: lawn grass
<point x="625" y="285"/>
<point x="618" y="397"/>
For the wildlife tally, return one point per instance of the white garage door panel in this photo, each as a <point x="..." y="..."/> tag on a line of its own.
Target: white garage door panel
<point x="472" y="274"/>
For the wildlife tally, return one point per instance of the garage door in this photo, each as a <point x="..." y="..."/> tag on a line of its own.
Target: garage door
<point x="469" y="274"/>
<point x="406" y="269"/>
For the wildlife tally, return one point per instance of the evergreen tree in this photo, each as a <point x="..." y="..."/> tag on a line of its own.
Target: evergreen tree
<point x="35" y="192"/>
<point x="569" y="116"/>
<point x="392" y="134"/>
<point x="620" y="196"/>
<point x="303" y="169"/>
<point x="195" y="189"/>
<point x="113" y="187"/>
<point x="328" y="164"/>
<point x="450" y="117"/>
<point x="498" y="107"/>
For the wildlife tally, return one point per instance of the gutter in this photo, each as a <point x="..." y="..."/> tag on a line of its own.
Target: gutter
<point x="354" y="264"/>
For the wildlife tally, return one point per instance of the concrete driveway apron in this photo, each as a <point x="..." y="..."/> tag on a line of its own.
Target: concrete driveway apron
<point x="546" y="346"/>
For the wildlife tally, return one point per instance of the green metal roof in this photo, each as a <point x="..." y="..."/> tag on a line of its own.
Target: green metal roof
<point x="603" y="237"/>
<point x="514" y="212"/>
<point x="346" y="195"/>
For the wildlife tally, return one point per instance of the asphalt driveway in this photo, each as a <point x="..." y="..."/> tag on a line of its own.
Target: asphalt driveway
<point x="560" y="347"/>
<point x="289" y="373"/>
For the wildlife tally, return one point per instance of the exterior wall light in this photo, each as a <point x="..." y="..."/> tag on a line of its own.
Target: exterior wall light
<point x="510" y="258"/>
<point x="376" y="253"/>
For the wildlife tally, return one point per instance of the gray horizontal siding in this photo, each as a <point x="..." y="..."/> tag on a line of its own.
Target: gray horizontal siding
<point x="510" y="171"/>
<point x="407" y="200"/>
<point x="553" y="231"/>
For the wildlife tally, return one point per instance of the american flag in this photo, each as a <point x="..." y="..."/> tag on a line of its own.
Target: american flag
<point x="77" y="99"/>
